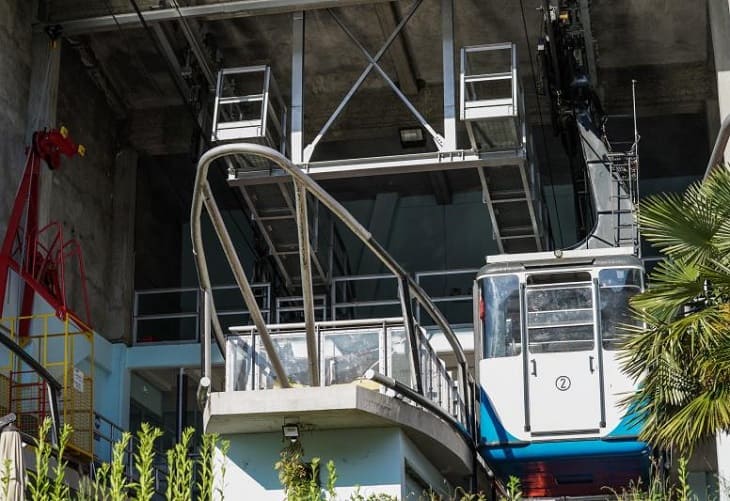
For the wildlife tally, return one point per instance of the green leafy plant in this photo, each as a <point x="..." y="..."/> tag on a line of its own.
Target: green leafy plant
<point x="224" y="448"/>
<point x="5" y="478"/>
<point x="180" y="469"/>
<point x="144" y="462"/>
<point x="463" y="495"/>
<point x="514" y="490"/>
<point x="205" y="467"/>
<point x="118" y="483"/>
<point x="39" y="485"/>
<point x="60" y="490"/>
<point x="681" y="353"/>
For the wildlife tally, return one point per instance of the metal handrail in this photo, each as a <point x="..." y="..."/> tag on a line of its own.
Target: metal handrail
<point x="203" y="193"/>
<point x="264" y="287"/>
<point x="53" y="385"/>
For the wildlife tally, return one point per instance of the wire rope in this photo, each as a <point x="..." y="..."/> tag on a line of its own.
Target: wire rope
<point x="545" y="147"/>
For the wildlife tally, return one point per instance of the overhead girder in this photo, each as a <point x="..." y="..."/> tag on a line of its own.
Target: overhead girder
<point x="218" y="10"/>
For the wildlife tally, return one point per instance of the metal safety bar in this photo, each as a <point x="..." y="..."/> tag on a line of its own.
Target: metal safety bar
<point x="142" y="314"/>
<point x="260" y="115"/>
<point x="202" y="195"/>
<point x="474" y="105"/>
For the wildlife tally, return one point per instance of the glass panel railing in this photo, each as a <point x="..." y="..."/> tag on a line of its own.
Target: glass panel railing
<point x="348" y="349"/>
<point x="348" y="354"/>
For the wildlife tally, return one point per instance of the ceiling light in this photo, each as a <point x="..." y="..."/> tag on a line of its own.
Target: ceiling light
<point x="412" y="137"/>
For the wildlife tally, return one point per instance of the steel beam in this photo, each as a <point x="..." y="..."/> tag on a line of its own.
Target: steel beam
<point x="172" y="60"/>
<point x="305" y="263"/>
<point x="297" y="88"/>
<point x="192" y="35"/>
<point x="447" y="46"/>
<point x="217" y="10"/>
<point x="399" y="52"/>
<point x="585" y="20"/>
<point x="374" y="65"/>
<point x="397" y="164"/>
<point x="373" y="62"/>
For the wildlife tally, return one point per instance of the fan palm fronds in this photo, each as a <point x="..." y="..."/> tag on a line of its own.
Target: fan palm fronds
<point x="682" y="349"/>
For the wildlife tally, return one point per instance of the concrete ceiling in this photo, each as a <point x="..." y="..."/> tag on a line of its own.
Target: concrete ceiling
<point x="661" y="43"/>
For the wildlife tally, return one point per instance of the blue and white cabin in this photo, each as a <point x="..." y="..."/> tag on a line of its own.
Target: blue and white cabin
<point x="551" y="385"/>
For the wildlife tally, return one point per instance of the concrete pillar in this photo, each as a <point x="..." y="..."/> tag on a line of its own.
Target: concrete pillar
<point x="15" y="60"/>
<point x="719" y="19"/>
<point x="117" y="323"/>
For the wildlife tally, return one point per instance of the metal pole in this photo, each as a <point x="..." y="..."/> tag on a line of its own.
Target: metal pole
<point x="227" y="9"/>
<point x="447" y="46"/>
<point x="207" y="364"/>
<point x="305" y="263"/>
<point x="248" y="296"/>
<point x="297" y="87"/>
<point x="182" y="402"/>
<point x="407" y="307"/>
<point x="407" y="392"/>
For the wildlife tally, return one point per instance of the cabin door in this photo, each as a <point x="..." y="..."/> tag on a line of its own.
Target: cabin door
<point x="562" y="368"/>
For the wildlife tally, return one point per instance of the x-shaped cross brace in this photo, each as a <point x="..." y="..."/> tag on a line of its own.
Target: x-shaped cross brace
<point x="373" y="64"/>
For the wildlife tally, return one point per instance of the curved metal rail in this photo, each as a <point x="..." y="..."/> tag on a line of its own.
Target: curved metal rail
<point x="719" y="150"/>
<point x="202" y="194"/>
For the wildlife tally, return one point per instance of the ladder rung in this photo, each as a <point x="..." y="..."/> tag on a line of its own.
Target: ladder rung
<point x="277" y="218"/>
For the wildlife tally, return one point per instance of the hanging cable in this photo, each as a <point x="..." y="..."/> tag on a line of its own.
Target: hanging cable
<point x="191" y="112"/>
<point x="545" y="147"/>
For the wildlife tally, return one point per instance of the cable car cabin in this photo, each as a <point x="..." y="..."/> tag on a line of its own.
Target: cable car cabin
<point x="551" y="384"/>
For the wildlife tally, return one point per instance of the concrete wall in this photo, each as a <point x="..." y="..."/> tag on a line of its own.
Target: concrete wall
<point x="81" y="195"/>
<point x="15" y="61"/>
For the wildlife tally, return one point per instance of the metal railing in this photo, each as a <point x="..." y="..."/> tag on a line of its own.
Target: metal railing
<point x="451" y="290"/>
<point x="177" y="310"/>
<point x="348" y="349"/>
<point x="107" y="434"/>
<point x="171" y="316"/>
<point x="367" y="296"/>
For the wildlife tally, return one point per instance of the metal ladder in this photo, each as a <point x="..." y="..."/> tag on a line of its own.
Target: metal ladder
<point x="272" y="209"/>
<point x="624" y="169"/>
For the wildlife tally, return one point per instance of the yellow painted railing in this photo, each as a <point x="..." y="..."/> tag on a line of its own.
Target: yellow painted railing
<point x="67" y="352"/>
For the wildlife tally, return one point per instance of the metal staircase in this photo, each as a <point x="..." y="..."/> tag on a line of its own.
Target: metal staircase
<point x="272" y="209"/>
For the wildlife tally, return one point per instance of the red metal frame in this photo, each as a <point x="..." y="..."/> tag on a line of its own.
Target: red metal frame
<point x="40" y="255"/>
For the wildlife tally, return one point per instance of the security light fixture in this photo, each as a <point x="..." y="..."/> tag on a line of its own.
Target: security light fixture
<point x="412" y="137"/>
<point x="290" y="431"/>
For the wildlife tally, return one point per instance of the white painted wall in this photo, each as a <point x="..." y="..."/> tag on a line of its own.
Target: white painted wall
<point x="367" y="460"/>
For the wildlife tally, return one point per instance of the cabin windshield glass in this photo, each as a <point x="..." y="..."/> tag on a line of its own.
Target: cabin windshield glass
<point x="616" y="287"/>
<point x="501" y="316"/>
<point x="560" y="312"/>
